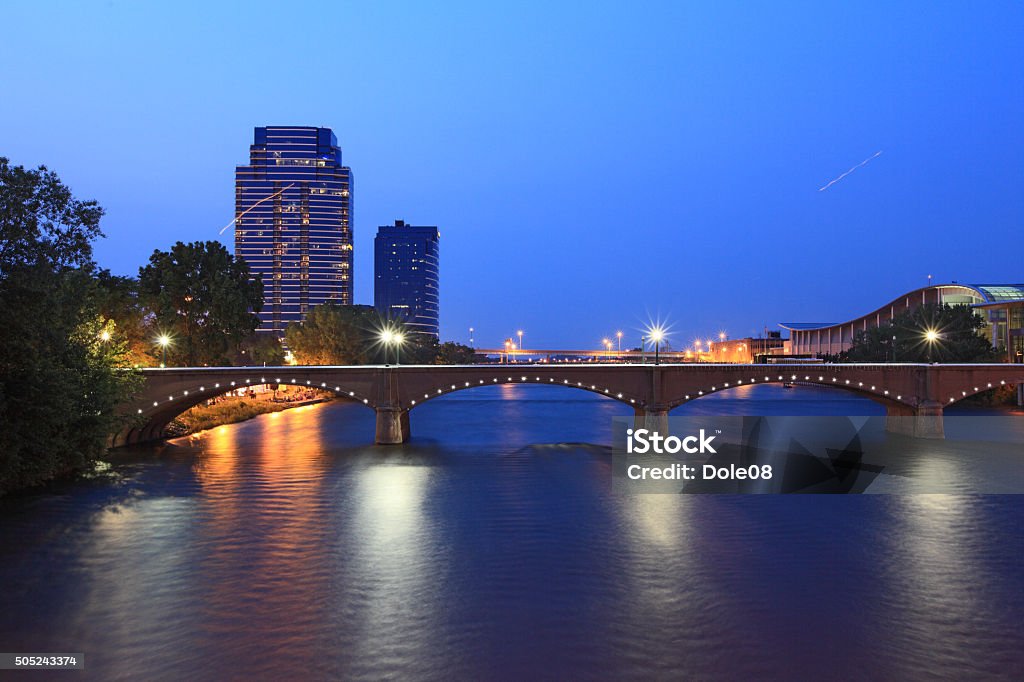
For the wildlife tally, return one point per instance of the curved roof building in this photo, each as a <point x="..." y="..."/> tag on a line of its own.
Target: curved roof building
<point x="1001" y="304"/>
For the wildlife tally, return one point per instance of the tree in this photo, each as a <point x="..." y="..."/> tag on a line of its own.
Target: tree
<point x="203" y="298"/>
<point x="928" y="333"/>
<point x="117" y="300"/>
<point x="335" y="334"/>
<point x="417" y="349"/>
<point x="351" y="335"/>
<point x="258" y="349"/>
<point x="60" y="380"/>
<point x="452" y="353"/>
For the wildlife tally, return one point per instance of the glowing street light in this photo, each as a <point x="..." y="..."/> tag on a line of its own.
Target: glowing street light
<point x="390" y="337"/>
<point x="931" y="336"/>
<point x="656" y="335"/>
<point x="721" y="336"/>
<point x="398" y="339"/>
<point x="520" y="335"/>
<point x="163" y="341"/>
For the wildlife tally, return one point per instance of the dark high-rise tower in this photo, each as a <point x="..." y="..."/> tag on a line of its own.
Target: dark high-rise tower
<point x="405" y="275"/>
<point x="293" y="221"/>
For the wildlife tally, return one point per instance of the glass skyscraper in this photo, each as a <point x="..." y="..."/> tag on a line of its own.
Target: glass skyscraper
<point x="405" y="276"/>
<point x="293" y="221"/>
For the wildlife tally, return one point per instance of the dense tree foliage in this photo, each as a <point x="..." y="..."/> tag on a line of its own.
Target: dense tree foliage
<point x="336" y="335"/>
<point x="955" y="337"/>
<point x="351" y="335"/>
<point x="452" y="353"/>
<point x="59" y="370"/>
<point x="127" y="322"/>
<point x="203" y="298"/>
<point x="258" y="349"/>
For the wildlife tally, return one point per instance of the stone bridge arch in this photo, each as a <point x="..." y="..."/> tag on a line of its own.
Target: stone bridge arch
<point x="440" y="388"/>
<point x="414" y="388"/>
<point x="816" y="375"/>
<point x="959" y="382"/>
<point x="169" y="393"/>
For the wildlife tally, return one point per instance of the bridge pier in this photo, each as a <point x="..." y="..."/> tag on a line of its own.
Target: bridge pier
<point x="923" y="421"/>
<point x="653" y="418"/>
<point x="392" y="426"/>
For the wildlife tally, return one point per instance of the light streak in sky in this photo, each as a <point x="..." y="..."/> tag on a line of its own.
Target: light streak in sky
<point x="862" y="163"/>
<point x="254" y="206"/>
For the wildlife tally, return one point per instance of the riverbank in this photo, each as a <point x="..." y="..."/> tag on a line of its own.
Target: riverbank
<point x="238" y="409"/>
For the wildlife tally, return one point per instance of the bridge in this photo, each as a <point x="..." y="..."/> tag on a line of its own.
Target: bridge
<point x="914" y="395"/>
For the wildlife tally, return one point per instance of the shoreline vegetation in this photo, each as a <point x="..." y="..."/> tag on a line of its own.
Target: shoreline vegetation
<point x="233" y="409"/>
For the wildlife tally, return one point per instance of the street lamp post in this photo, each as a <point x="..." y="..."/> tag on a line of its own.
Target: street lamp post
<point x="618" y="336"/>
<point x="931" y="337"/>
<point x="520" y="334"/>
<point x="163" y="341"/>
<point x="389" y="337"/>
<point x="657" y="334"/>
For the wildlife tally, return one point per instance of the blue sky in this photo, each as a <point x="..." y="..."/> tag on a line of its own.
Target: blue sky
<point x="588" y="164"/>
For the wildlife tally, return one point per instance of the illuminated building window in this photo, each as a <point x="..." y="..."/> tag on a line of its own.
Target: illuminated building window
<point x="286" y="167"/>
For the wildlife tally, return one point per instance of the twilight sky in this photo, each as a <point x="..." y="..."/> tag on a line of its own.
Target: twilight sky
<point x="589" y="165"/>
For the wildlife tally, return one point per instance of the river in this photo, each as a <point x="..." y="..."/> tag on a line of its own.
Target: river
<point x="493" y="546"/>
